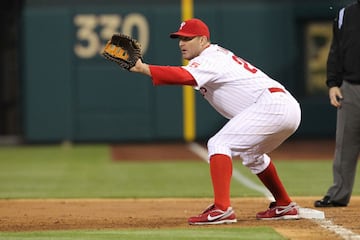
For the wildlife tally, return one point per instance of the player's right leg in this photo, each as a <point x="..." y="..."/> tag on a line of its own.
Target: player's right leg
<point x="213" y="215"/>
<point x="220" y="212"/>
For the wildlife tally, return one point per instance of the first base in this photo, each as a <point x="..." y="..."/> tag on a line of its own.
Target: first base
<point x="311" y="213"/>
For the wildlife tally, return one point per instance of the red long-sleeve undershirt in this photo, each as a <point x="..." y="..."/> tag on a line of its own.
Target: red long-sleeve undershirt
<point x="170" y="75"/>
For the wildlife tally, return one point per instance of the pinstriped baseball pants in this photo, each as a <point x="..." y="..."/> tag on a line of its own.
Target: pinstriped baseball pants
<point x="258" y="130"/>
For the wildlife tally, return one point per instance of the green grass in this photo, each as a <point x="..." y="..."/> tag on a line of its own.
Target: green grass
<point x="87" y="171"/>
<point x="304" y="177"/>
<point x="164" y="234"/>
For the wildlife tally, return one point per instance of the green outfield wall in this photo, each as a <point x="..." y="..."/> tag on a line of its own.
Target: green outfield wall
<point x="71" y="93"/>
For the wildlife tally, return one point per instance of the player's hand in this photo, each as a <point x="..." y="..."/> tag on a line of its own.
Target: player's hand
<point x="335" y="96"/>
<point x="137" y="67"/>
<point x="141" y="67"/>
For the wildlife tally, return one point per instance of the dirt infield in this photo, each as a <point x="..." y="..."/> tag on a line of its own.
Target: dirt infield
<point x="65" y="214"/>
<point x="55" y="214"/>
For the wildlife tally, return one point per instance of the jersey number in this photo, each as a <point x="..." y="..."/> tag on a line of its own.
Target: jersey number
<point x="245" y="64"/>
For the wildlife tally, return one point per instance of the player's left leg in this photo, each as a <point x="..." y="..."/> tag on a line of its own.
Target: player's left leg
<point x="287" y="119"/>
<point x="283" y="207"/>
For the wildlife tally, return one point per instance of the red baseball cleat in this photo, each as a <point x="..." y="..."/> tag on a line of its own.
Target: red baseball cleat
<point x="274" y="212"/>
<point x="213" y="215"/>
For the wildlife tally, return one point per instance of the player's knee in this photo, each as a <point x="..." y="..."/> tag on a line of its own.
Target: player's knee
<point x="218" y="147"/>
<point x="256" y="164"/>
<point x="211" y="142"/>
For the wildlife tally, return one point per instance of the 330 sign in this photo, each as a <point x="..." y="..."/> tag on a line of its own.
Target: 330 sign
<point x="93" y="31"/>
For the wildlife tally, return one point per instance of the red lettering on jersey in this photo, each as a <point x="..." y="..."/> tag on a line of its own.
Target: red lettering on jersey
<point x="246" y="65"/>
<point x="194" y="65"/>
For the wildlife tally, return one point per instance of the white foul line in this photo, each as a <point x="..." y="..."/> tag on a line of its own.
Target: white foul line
<point x="342" y="232"/>
<point x="327" y="224"/>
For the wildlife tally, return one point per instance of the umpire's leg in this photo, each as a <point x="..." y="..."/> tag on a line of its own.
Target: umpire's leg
<point x="347" y="145"/>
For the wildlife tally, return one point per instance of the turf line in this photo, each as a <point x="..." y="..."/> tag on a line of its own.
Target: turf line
<point x="327" y="224"/>
<point x="341" y="231"/>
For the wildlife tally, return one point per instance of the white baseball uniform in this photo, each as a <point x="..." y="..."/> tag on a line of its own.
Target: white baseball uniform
<point x="261" y="113"/>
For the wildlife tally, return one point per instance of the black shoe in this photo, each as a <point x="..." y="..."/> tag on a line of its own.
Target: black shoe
<point x="326" y="202"/>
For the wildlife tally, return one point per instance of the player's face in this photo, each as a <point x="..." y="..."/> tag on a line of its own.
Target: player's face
<point x="190" y="47"/>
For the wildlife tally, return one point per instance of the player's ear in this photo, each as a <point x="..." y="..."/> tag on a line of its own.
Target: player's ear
<point x="203" y="40"/>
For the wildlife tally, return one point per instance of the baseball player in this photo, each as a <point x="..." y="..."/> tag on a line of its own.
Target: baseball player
<point x="261" y="114"/>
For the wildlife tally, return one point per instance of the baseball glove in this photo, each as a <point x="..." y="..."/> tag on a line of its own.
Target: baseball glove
<point x="123" y="50"/>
